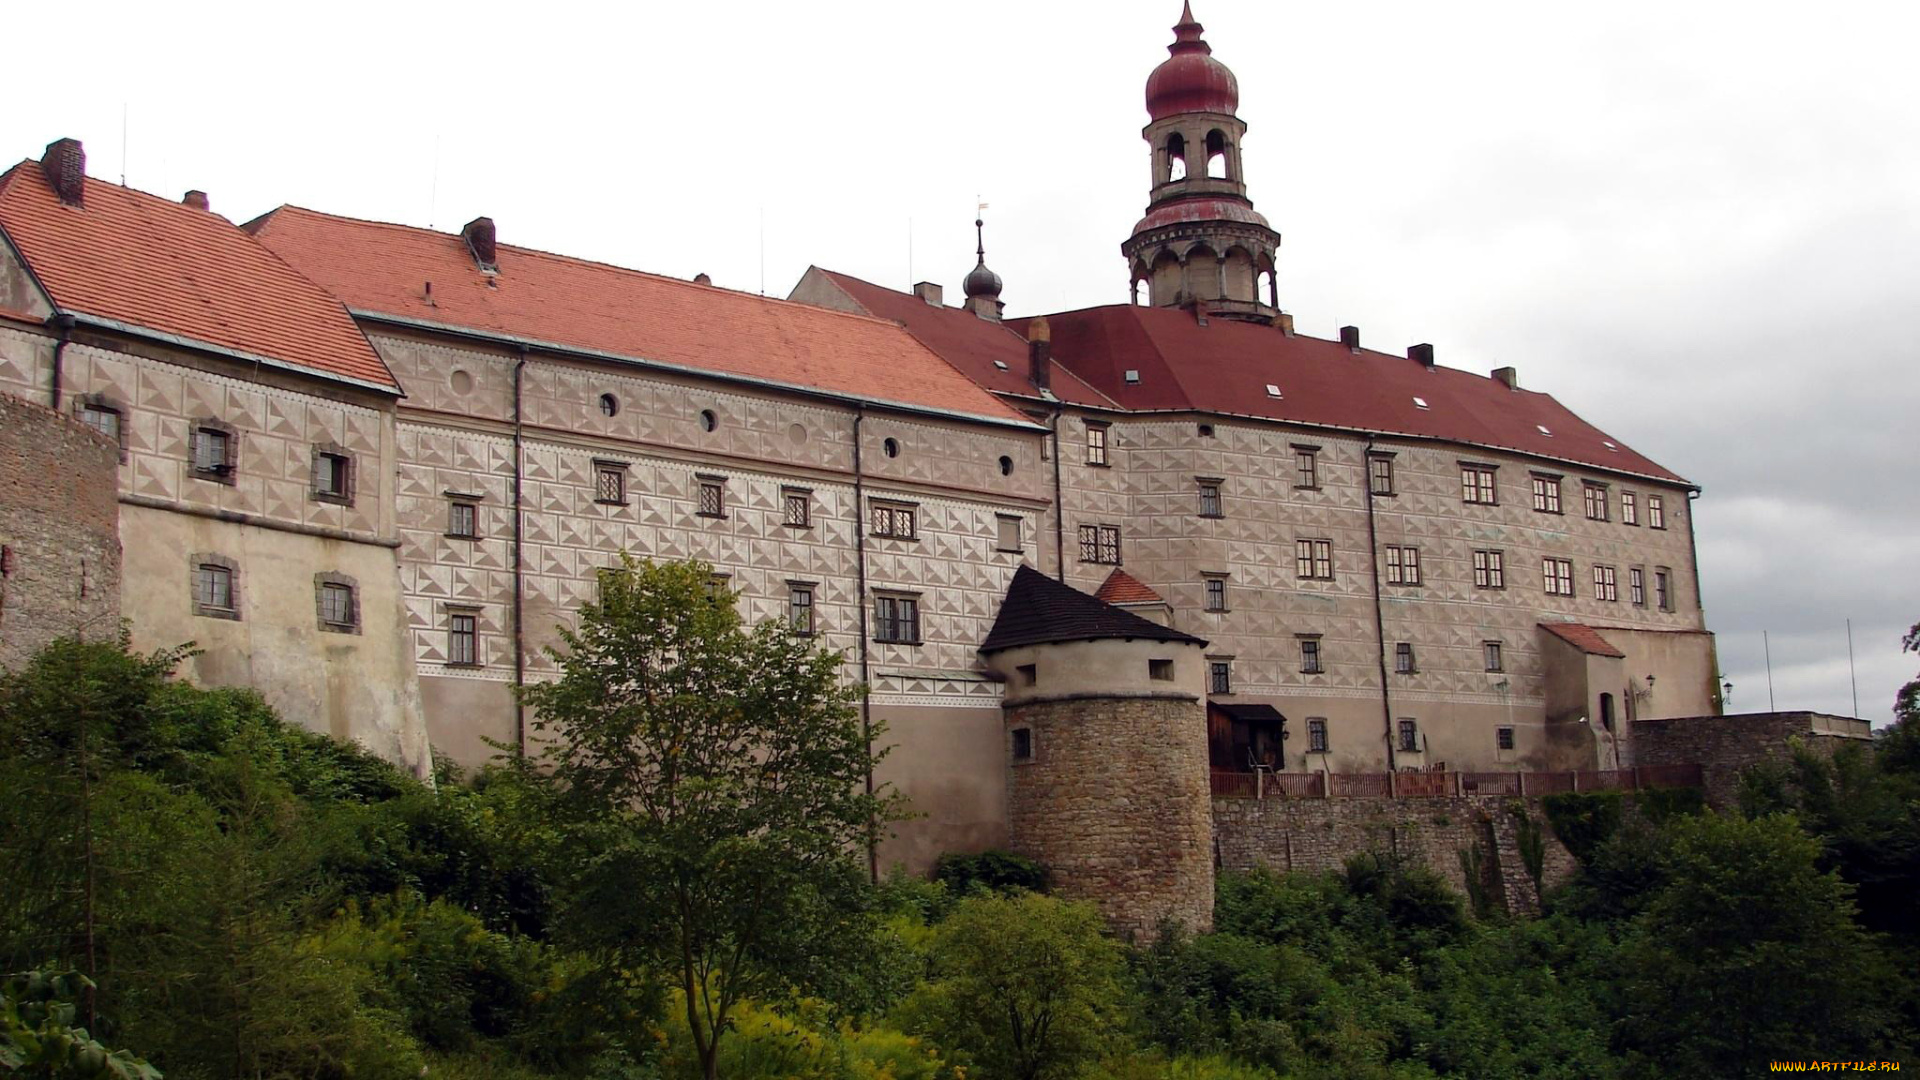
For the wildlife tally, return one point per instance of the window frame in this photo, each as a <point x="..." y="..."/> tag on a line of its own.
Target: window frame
<point x="329" y="584"/>
<point x="1380" y="473"/>
<point x="470" y="504"/>
<point x="1315" y="556"/>
<point x="1493" y="654"/>
<point x="1018" y="543"/>
<point x="1216" y="593"/>
<point x="1547" y="493"/>
<point x="1097" y="542"/>
<point x="1477" y="480"/>
<point x="610" y="473"/>
<point x="1595" y="500"/>
<point x="1606" y="584"/>
<point x="1313" y="659"/>
<point x="1656" y="512"/>
<point x="1220" y="675"/>
<point x="803" y="617"/>
<point x="1629" y="508"/>
<point x="1160" y="669"/>
<point x="463" y="638"/>
<point x="221" y="471"/>
<point x="200" y="562"/>
<point x="335" y="464"/>
<point x="792" y="498"/>
<point x="1637" y="586"/>
<point x="1489" y="568"/>
<point x="1212" y="499"/>
<point x="1306" y="464"/>
<point x="889" y="625"/>
<point x="1408" y="729"/>
<point x="1556" y="576"/>
<point x="711" y="492"/>
<point x="1317" y="741"/>
<point x="1403" y="565"/>
<point x="1020" y="743"/>
<point x="1404" y="660"/>
<point x="87" y="405"/>
<point x="1099" y="449"/>
<point x="895" y="512"/>
<point x="1503" y="738"/>
<point x="1663" y="589"/>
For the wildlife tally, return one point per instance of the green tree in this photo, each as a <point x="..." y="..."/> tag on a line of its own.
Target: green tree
<point x="720" y="783"/>
<point x="1026" y="985"/>
<point x="1747" y="952"/>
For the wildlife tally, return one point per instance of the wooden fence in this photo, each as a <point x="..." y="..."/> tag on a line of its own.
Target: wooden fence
<point x="1432" y="785"/>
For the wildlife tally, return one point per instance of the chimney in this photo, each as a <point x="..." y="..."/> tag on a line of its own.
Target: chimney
<point x="479" y="237"/>
<point x="1422" y="353"/>
<point x="1039" y="351"/>
<point x="1507" y="375"/>
<point x="1285" y="322"/>
<point x="702" y="279"/>
<point x="197" y="200"/>
<point x="65" y="164"/>
<point x="929" y="292"/>
<point x="1350" y="337"/>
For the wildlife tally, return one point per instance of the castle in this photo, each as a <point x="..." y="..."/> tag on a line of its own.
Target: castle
<point x="1082" y="560"/>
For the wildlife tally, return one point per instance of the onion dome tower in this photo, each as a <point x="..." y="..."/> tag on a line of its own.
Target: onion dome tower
<point x="1201" y="241"/>
<point x="983" y="285"/>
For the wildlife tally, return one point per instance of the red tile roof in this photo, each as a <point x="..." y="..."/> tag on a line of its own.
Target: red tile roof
<point x="968" y="342"/>
<point x="156" y="265"/>
<point x="571" y="303"/>
<point x="1123" y="588"/>
<point x="1582" y="637"/>
<point x="1226" y="366"/>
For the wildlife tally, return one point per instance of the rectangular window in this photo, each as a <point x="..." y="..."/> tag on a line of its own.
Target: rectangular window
<point x="1160" y="670"/>
<point x="898" y="520"/>
<point x="1310" y="656"/>
<point x="1306" y="467"/>
<point x="332" y="477"/>
<point x="102" y="419"/>
<point x="1314" y="559"/>
<point x="1096" y="444"/>
<point x="1403" y="566"/>
<point x="1316" y="735"/>
<point x="1637" y="586"/>
<point x="1488" y="571"/>
<point x="896" y="620"/>
<point x="336" y="605"/>
<point x="213" y="587"/>
<point x="1603" y="584"/>
<point x="1556" y="576"/>
<point x="1656" y="512"/>
<point x="718" y="586"/>
<point x="1491" y="652"/>
<point x="1100" y="544"/>
<point x="1629" y="508"/>
<point x="1403" y="658"/>
<point x="1210" y="505"/>
<point x="1028" y="674"/>
<point x="1380" y="474"/>
<point x="796" y="507"/>
<point x="1662" y="589"/>
<point x="463" y="519"/>
<point x="463" y="640"/>
<point x="212" y="451"/>
<point x="800" y="607"/>
<point x="1595" y="497"/>
<point x="1216" y="594"/>
<point x="1008" y="538"/>
<point x="713" y="497"/>
<point x="1503" y="738"/>
<point x="1476" y="484"/>
<point x="1409" y="737"/>
<point x="1220" y="677"/>
<point x="610" y="482"/>
<point x="1546" y="494"/>
<point x="1022" y="744"/>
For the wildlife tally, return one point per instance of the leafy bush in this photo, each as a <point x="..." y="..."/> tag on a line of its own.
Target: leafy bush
<point x="1583" y="820"/>
<point x="998" y="871"/>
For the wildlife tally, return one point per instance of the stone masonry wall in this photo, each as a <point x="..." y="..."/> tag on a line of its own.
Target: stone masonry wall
<point x="1725" y="746"/>
<point x="1315" y="835"/>
<point x="59" y="525"/>
<point x="1114" y="802"/>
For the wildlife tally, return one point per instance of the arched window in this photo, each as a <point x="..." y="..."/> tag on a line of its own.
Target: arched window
<point x="1176" y="157"/>
<point x="1217" y="155"/>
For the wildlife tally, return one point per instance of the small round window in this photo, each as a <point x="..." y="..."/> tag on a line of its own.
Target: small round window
<point x="892" y="447"/>
<point x="1006" y="466"/>
<point x="609" y="405"/>
<point x="708" y="421"/>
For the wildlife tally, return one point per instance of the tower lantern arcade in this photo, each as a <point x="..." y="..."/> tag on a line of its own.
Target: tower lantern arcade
<point x="1201" y="240"/>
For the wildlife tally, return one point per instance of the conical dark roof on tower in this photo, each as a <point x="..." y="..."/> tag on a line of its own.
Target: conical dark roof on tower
<point x="1041" y="611"/>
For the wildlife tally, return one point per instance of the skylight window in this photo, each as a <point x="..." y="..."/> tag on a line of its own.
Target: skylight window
<point x="1609" y="444"/>
<point x="1001" y="364"/>
<point x="1133" y="377"/>
<point x="1420" y="402"/>
<point x="1273" y="391"/>
<point x="1544" y="431"/>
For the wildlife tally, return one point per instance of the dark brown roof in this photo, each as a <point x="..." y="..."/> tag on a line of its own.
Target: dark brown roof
<point x="1582" y="637"/>
<point x="1041" y="611"/>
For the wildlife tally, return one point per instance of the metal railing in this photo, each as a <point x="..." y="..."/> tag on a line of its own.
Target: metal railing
<point x="1431" y="785"/>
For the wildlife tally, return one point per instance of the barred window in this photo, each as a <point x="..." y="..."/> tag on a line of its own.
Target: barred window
<point x="463" y="639"/>
<point x="1314" y="559"/>
<point x="1596" y="500"/>
<point x="213" y="587"/>
<point x="1488" y="573"/>
<point x="1503" y="738"/>
<point x="463" y="519"/>
<point x="893" y="519"/>
<point x="1637" y="586"/>
<point x="1409" y="737"/>
<point x="1210" y="505"/>
<point x="1491" y="652"/>
<point x="1556" y="576"/>
<point x="896" y="620"/>
<point x="1656" y="512"/>
<point x="1403" y="566"/>
<point x="1096" y="444"/>
<point x="796" y="505"/>
<point x="1306" y="467"/>
<point x="1476" y="484"/>
<point x="336" y="605"/>
<point x="1316" y="735"/>
<point x="713" y="497"/>
<point x="1216" y="594"/>
<point x="1100" y="544"/>
<point x="800" y="607"/>
<point x="1220" y="677"/>
<point x="1310" y="656"/>
<point x="1629" y="508"/>
<point x="1546" y="494"/>
<point x="609" y="482"/>
<point x="1403" y="658"/>
<point x="1380" y="474"/>
<point x="1603" y="584"/>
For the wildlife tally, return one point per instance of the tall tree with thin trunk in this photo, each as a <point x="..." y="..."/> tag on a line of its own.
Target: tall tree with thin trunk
<point x="718" y="783"/>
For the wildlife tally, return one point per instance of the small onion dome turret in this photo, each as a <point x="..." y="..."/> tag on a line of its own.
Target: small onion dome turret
<point x="1191" y="80"/>
<point x="982" y="283"/>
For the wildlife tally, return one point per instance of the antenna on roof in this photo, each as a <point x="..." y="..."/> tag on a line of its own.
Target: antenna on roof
<point x="433" y="184"/>
<point x="123" y="143"/>
<point x="910" y="281"/>
<point x="763" y="249"/>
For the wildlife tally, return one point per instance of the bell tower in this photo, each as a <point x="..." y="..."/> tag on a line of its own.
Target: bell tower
<point x="1201" y="241"/>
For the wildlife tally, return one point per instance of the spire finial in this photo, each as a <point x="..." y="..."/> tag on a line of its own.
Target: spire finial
<point x="1186" y="33"/>
<point x="980" y="238"/>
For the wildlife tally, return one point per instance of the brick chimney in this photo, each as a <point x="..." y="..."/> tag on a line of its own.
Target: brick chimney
<point x="65" y="164"/>
<point x="1039" y="352"/>
<point x="930" y="293"/>
<point x="1350" y="337"/>
<point x="196" y="199"/>
<point x="479" y="237"/>
<point x="1421" y="353"/>
<point x="1284" y="322"/>
<point x="1507" y="375"/>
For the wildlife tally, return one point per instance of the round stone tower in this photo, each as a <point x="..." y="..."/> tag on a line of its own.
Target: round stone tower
<point x="1201" y="241"/>
<point x="1106" y="734"/>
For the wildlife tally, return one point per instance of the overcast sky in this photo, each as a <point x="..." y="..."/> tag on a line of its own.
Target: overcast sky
<point x="1697" y="224"/>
